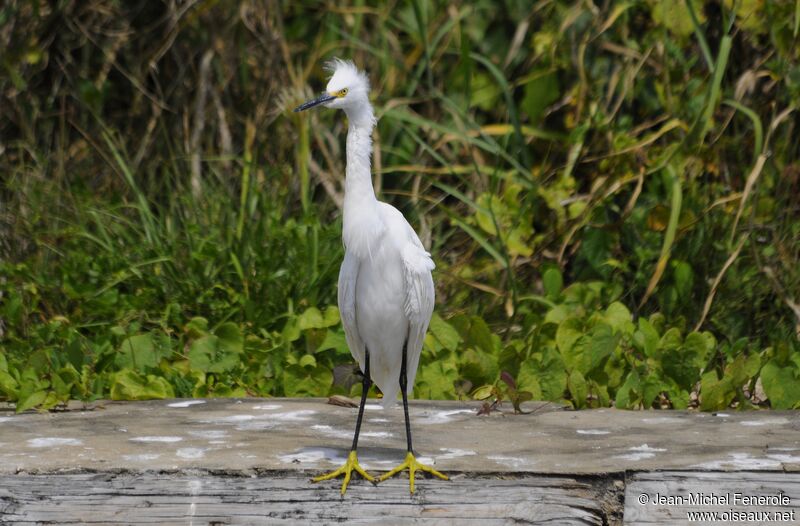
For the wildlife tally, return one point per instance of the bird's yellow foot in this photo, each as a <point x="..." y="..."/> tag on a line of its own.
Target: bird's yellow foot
<point x="349" y="466"/>
<point x="412" y="465"/>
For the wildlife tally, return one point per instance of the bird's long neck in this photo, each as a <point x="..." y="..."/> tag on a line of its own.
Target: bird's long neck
<point x="358" y="181"/>
<point x="362" y="224"/>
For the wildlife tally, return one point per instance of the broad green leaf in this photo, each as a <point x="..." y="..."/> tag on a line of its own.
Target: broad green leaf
<point x="336" y="341"/>
<point x="197" y="327"/>
<point x="130" y="385"/>
<point x="781" y="384"/>
<point x="553" y="383"/>
<point x="483" y="392"/>
<point x="697" y="349"/>
<point x="673" y="15"/>
<point x="8" y="385"/>
<point x="602" y="344"/>
<point x="307" y="360"/>
<point x="619" y="318"/>
<point x="557" y="314"/>
<point x="311" y="319"/>
<point x="680" y="367"/>
<point x="528" y="379"/>
<point x="137" y="352"/>
<point x="541" y="91"/>
<point x="715" y="393"/>
<point x="670" y="340"/>
<point x="31" y="400"/>
<point x="646" y="338"/>
<point x="478" y="366"/>
<point x="230" y="338"/>
<point x="578" y="389"/>
<point x="445" y="333"/>
<point x="652" y="386"/>
<point x="567" y="334"/>
<point x="552" y="282"/>
<point x="307" y="381"/>
<point x="436" y="380"/>
<point x="330" y="316"/>
<point x="628" y="394"/>
<point x="202" y="352"/>
<point x="480" y="335"/>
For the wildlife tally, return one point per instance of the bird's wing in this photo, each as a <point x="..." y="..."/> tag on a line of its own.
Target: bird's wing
<point x="418" y="306"/>
<point x="348" y="275"/>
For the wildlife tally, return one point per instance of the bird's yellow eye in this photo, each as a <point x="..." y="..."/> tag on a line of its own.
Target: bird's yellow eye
<point x="342" y="92"/>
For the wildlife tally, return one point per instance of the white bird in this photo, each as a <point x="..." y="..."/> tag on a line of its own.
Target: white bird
<point x="386" y="292"/>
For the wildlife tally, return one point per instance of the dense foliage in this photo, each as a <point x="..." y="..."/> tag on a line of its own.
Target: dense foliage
<point x="609" y="191"/>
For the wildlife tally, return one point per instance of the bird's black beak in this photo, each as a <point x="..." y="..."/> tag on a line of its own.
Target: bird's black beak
<point x="325" y="97"/>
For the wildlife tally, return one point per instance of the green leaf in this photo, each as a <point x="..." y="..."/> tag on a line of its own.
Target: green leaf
<point x="619" y="318"/>
<point x="445" y="333"/>
<point x="552" y="282"/>
<point x="9" y="385"/>
<point x="602" y="344"/>
<point x="679" y="367"/>
<point x="652" y="386"/>
<point x="673" y="15"/>
<point x="715" y="393"/>
<point x="781" y="384"/>
<point x="697" y="348"/>
<point x="552" y="376"/>
<point x="567" y="334"/>
<point x="334" y="340"/>
<point x="197" y="327"/>
<point x="557" y="314"/>
<point x="201" y="353"/>
<point x="209" y="355"/>
<point x="483" y="392"/>
<point x="331" y="316"/>
<point x="436" y="380"/>
<point x="646" y="338"/>
<point x="31" y="400"/>
<point x="578" y="389"/>
<point x="137" y="352"/>
<point x="307" y="381"/>
<point x="628" y="393"/>
<point x="478" y="366"/>
<point x="130" y="385"/>
<point x="229" y="337"/>
<point x="528" y="378"/>
<point x="307" y="360"/>
<point x="574" y="346"/>
<point x="311" y="319"/>
<point x="480" y="335"/>
<point x="684" y="278"/>
<point x="541" y="91"/>
<point x="671" y="339"/>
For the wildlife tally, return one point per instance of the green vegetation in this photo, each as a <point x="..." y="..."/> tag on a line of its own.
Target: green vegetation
<point x="609" y="190"/>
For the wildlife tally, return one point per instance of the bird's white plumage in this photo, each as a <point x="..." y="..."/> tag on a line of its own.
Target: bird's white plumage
<point x="386" y="292"/>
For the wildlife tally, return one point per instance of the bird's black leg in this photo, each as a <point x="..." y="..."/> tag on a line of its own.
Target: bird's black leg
<point x="410" y="463"/>
<point x="352" y="459"/>
<point x="404" y="392"/>
<point x="367" y="383"/>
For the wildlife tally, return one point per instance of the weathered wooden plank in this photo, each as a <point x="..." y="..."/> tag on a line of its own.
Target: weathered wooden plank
<point x="207" y="498"/>
<point x="691" y="497"/>
<point x="278" y="434"/>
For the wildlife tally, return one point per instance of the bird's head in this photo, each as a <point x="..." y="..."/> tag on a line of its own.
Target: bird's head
<point x="348" y="88"/>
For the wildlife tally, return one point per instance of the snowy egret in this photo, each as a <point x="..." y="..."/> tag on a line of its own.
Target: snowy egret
<point x="385" y="285"/>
